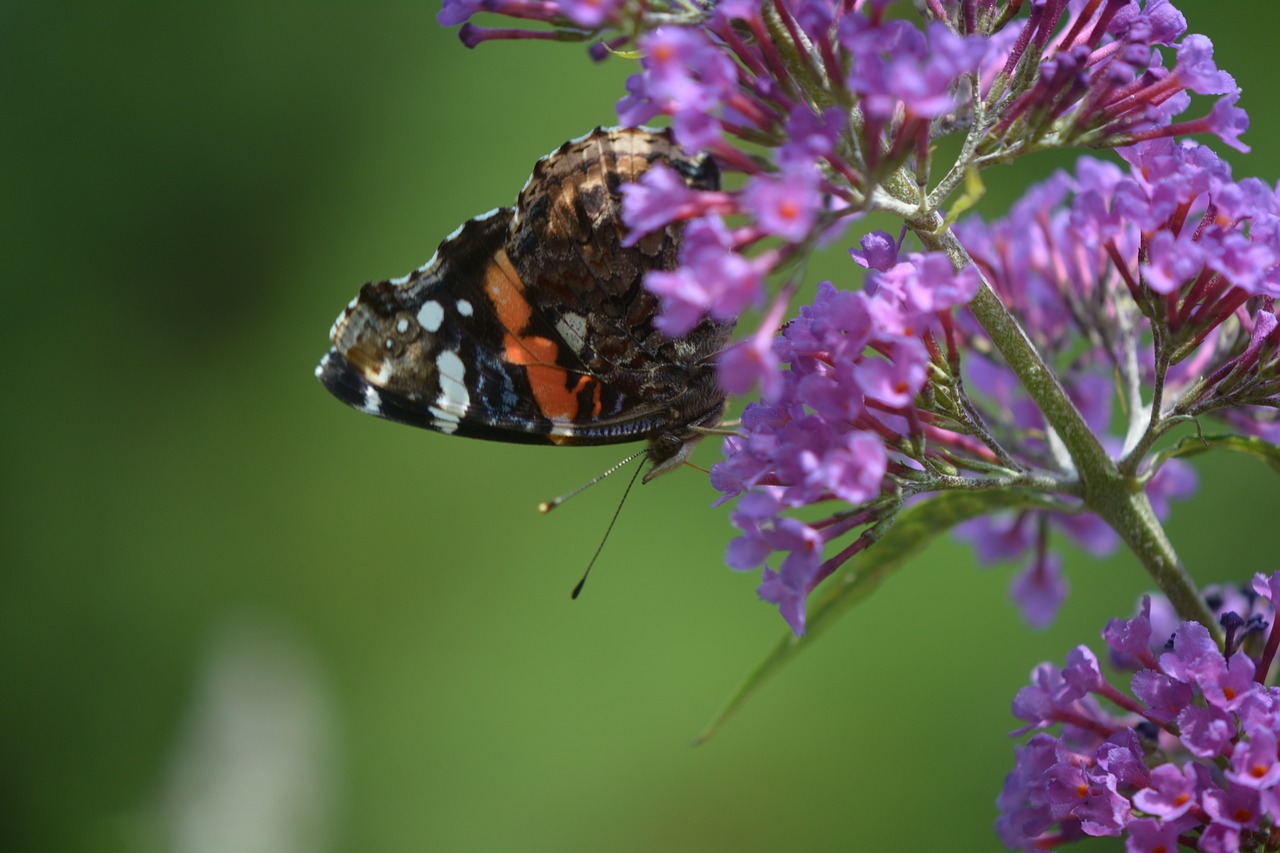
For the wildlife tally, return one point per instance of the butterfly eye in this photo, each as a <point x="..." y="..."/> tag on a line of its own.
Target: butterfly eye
<point x="665" y="446"/>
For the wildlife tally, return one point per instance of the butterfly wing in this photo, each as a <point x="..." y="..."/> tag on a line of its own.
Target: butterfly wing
<point x="531" y="323"/>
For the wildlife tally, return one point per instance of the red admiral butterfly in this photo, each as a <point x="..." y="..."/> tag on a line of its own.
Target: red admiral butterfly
<point x="531" y="323"/>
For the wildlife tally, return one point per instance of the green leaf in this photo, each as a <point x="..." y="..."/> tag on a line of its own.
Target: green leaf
<point x="913" y="529"/>
<point x="1192" y="445"/>
<point x="974" y="190"/>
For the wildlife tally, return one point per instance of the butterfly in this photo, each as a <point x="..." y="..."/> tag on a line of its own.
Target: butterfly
<point x="532" y="323"/>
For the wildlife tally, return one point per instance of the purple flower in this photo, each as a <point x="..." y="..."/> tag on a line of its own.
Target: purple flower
<point x="853" y="468"/>
<point x="810" y="136"/>
<point x="1039" y="590"/>
<point x="590" y="13"/>
<point x="999" y="537"/>
<point x="785" y="204"/>
<point x="1173" y="261"/>
<point x="1087" y="532"/>
<point x="1213" y="777"/>
<point x="741" y="10"/>
<point x="789" y="593"/>
<point x="857" y="363"/>
<point x="1175" y="481"/>
<point x="454" y="12"/>
<point x="790" y="585"/>
<point x="1267" y="586"/>
<point x="879" y="251"/>
<point x="1161" y="275"/>
<point x="713" y="278"/>
<point x="921" y="285"/>
<point x="1082" y="671"/>
<point x="1226" y="687"/>
<point x="1121" y="755"/>
<point x="1194" y="653"/>
<point x="1172" y="792"/>
<point x="1131" y="638"/>
<point x="1024" y="816"/>
<point x="1150" y="836"/>
<point x="1050" y="698"/>
<point x="1227" y="121"/>
<point x="656" y="200"/>
<point x="896" y="382"/>
<point x="1219" y="837"/>
<point x="752" y="548"/>
<point x="896" y="65"/>
<point x="685" y="301"/>
<point x="1206" y="732"/>
<point x="1090" y="798"/>
<point x="687" y="77"/>
<point x="1196" y="70"/>
<point x="1164" y="697"/>
<point x="1238" y="807"/>
<point x="1162" y="23"/>
<point x="748" y="363"/>
<point x="1253" y="762"/>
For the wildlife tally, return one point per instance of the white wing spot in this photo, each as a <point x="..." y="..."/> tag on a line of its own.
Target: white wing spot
<point x="402" y="326"/>
<point x="372" y="402"/>
<point x="446" y="422"/>
<point x="401" y="281"/>
<point x="572" y="327"/>
<point x="337" y="325"/>
<point x="450" y="372"/>
<point x="431" y="315"/>
<point x="464" y="308"/>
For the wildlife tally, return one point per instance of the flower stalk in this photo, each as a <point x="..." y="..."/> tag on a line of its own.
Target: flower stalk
<point x="1116" y="498"/>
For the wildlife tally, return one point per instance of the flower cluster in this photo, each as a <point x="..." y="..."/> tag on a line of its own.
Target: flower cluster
<point x="826" y="110"/>
<point x="1172" y="261"/>
<point x="1165" y="276"/>
<point x="841" y="418"/>
<point x="842" y="95"/>
<point x="1190" y="757"/>
<point x="1174" y="239"/>
<point x="714" y="85"/>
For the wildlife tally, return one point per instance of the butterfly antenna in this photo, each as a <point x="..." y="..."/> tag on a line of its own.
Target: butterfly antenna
<point x="577" y="589"/>
<point x="547" y="506"/>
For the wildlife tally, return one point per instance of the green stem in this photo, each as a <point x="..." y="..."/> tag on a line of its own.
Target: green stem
<point x="1091" y="460"/>
<point x="1123" y="504"/>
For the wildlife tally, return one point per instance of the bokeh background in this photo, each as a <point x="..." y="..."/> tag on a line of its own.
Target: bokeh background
<point x="237" y="616"/>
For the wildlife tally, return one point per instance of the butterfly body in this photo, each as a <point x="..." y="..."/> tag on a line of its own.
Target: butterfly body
<point x="532" y="323"/>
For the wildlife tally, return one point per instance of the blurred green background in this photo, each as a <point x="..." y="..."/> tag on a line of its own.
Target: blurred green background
<point x="238" y="616"/>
